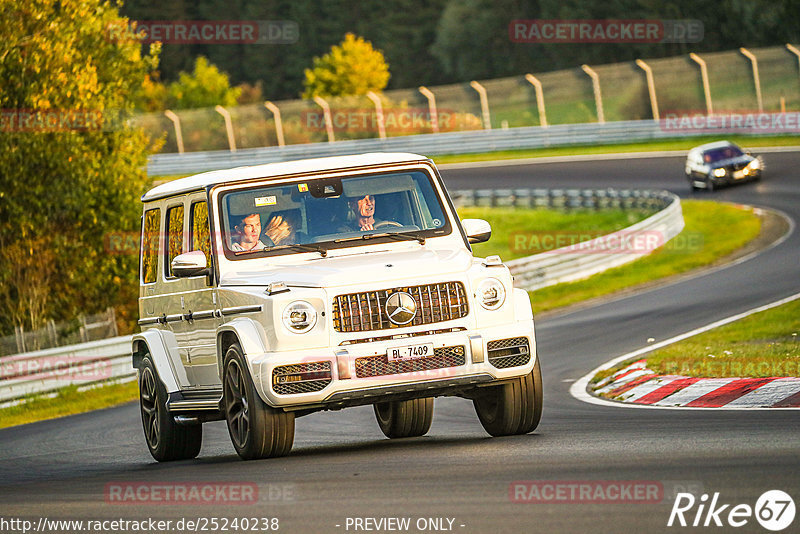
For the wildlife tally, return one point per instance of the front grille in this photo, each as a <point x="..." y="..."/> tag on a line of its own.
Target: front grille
<point x="380" y="365"/>
<point x="505" y="353"/>
<point x="360" y="312"/>
<point x="319" y="376"/>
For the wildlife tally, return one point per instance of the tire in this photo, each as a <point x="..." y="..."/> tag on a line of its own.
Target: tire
<point x="513" y="408"/>
<point x="710" y="186"/>
<point x="166" y="439"/>
<point x="256" y="429"/>
<point x="404" y="419"/>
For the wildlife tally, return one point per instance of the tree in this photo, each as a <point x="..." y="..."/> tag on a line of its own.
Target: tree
<point x="351" y="68"/>
<point x="206" y="86"/>
<point x="71" y="168"/>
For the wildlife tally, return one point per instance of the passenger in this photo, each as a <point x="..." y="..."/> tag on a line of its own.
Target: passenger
<point x="280" y="230"/>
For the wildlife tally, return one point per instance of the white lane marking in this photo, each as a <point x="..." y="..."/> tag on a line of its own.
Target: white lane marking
<point x="578" y="388"/>
<point x="640" y="391"/>
<point x="590" y="157"/>
<point x="694" y="392"/>
<point x="769" y="394"/>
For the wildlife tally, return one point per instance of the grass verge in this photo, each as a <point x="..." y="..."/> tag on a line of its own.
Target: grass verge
<point x="701" y="243"/>
<point x="762" y="345"/>
<point x="68" y="401"/>
<point x="516" y="230"/>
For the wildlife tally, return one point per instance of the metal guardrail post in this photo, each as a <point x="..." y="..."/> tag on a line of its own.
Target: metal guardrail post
<point x="651" y="87"/>
<point x="326" y="111"/>
<point x="431" y="107"/>
<point x="176" y="123"/>
<point x="794" y="50"/>
<point x="378" y="113"/>
<point x="533" y="80"/>
<point x="487" y="120"/>
<point x="228" y="126"/>
<point x="598" y="97"/>
<point x="756" y="79"/>
<point x="704" y="76"/>
<point x="276" y="114"/>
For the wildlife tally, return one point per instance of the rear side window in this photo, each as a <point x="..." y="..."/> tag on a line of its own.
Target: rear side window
<point x="150" y="245"/>
<point x="201" y="237"/>
<point x="174" y="237"/>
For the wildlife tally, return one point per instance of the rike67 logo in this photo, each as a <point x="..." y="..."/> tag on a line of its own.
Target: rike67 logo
<point x="774" y="510"/>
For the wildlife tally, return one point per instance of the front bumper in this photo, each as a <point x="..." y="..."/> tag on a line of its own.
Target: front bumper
<point x="359" y="373"/>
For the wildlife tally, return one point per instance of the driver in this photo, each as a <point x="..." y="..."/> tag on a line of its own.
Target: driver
<point x="363" y="210"/>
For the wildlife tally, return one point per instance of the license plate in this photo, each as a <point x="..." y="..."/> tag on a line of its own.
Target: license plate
<point x="410" y="352"/>
<point x="737" y="175"/>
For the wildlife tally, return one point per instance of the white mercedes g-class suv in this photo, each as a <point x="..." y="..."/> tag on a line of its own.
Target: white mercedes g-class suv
<point x="275" y="291"/>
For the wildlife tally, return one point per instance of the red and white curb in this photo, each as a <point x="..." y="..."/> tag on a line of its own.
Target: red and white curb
<point x="636" y="386"/>
<point x="639" y="385"/>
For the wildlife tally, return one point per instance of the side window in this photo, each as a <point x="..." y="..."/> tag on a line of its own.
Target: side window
<point x="174" y="237"/>
<point x="149" y="253"/>
<point x="201" y="237"/>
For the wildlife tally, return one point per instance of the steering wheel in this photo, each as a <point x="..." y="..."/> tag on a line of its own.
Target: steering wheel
<point x="388" y="223"/>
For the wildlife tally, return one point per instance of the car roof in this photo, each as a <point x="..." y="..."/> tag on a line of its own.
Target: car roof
<point x="714" y="145"/>
<point x="200" y="181"/>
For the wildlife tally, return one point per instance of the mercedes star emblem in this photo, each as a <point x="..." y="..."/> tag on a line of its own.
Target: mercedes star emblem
<point x="401" y="308"/>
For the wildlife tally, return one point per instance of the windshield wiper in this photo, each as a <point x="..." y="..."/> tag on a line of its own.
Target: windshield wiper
<point x="396" y="236"/>
<point x="301" y="248"/>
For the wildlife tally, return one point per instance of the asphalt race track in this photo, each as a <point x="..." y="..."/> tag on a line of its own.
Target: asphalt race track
<point x="342" y="467"/>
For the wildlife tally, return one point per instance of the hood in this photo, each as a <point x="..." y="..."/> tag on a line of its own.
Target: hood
<point x="392" y="267"/>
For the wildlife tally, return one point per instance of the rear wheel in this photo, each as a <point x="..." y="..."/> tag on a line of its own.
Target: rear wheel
<point x="404" y="419"/>
<point x="256" y="429"/>
<point x="166" y="439"/>
<point x="514" y="407"/>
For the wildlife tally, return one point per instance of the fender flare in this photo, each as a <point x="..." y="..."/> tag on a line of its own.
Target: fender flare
<point x="159" y="344"/>
<point x="250" y="335"/>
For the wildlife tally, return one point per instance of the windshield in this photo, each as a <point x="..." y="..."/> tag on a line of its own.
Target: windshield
<point x="719" y="154"/>
<point x="323" y="214"/>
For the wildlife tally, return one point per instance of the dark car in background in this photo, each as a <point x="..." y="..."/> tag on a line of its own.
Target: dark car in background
<point x="721" y="163"/>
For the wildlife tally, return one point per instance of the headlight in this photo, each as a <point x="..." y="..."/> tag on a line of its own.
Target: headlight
<point x="299" y="317"/>
<point x="719" y="173"/>
<point x="491" y="294"/>
<point x="755" y="164"/>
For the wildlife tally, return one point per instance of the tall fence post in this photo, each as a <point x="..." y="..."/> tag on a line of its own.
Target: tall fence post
<point x="378" y="113"/>
<point x="52" y="333"/>
<point x="651" y="87"/>
<point x="176" y="123"/>
<point x="537" y="85"/>
<point x="598" y="97"/>
<point x="427" y="93"/>
<point x="756" y="79"/>
<point x="228" y="126"/>
<point x="111" y="316"/>
<point x="704" y="76"/>
<point x="276" y="114"/>
<point x="19" y="335"/>
<point x="326" y="111"/>
<point x="487" y="120"/>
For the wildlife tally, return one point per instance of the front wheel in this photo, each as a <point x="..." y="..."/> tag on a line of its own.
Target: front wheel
<point x="513" y="408"/>
<point x="256" y="429"/>
<point x="166" y="439"/>
<point x="405" y="419"/>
